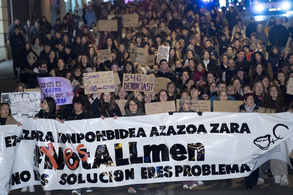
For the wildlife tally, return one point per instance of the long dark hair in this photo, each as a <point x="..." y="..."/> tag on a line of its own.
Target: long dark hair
<point x="255" y="76"/>
<point x="138" y="103"/>
<point x="51" y="104"/>
<point x="9" y="114"/>
<point x="84" y="98"/>
<point x="125" y="64"/>
<point x="175" y="88"/>
<point x="271" y="52"/>
<point x="158" y="96"/>
<point x="112" y="103"/>
<point x="254" y="62"/>
<point x="105" y="45"/>
<point x="278" y="105"/>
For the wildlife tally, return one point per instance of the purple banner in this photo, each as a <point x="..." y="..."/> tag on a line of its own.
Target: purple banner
<point x="58" y="88"/>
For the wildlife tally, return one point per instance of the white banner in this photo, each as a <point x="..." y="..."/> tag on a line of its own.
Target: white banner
<point x="8" y="136"/>
<point x="22" y="103"/>
<point x="146" y="149"/>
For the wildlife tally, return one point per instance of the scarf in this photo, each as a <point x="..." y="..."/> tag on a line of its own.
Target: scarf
<point x="249" y="109"/>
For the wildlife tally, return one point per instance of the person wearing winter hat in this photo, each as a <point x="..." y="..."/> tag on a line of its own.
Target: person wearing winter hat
<point x="142" y="70"/>
<point x="114" y="68"/>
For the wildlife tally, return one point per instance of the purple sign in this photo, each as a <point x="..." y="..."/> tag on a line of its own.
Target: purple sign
<point x="58" y="88"/>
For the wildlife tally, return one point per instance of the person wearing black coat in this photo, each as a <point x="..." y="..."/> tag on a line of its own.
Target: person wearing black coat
<point x="165" y="71"/>
<point x="278" y="35"/>
<point x="36" y="31"/>
<point x="48" y="109"/>
<point x="29" y="60"/>
<point x="251" y="27"/>
<point x="44" y="55"/>
<point x="105" y="106"/>
<point x="231" y="18"/>
<point x="49" y="40"/>
<point x="241" y="61"/>
<point x="210" y="64"/>
<point x="175" y="23"/>
<point x="79" y="112"/>
<point x="45" y="25"/>
<point x="17" y="42"/>
<point x="40" y="71"/>
<point x="231" y="71"/>
<point x="250" y="107"/>
<point x="133" y="107"/>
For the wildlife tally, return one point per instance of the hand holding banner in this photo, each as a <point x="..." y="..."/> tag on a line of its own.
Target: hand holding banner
<point x="160" y="143"/>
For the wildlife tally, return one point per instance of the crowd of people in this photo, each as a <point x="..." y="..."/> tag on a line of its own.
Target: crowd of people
<point x="213" y="56"/>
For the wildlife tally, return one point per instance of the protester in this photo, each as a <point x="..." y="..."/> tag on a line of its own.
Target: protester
<point x="78" y="113"/>
<point x="5" y="118"/>
<point x="133" y="107"/>
<point x="250" y="107"/>
<point x="48" y="109"/>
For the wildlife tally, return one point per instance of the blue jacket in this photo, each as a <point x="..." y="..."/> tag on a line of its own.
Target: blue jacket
<point x="90" y="17"/>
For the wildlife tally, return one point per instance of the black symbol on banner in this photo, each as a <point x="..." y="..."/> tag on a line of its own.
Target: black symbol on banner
<point x="264" y="142"/>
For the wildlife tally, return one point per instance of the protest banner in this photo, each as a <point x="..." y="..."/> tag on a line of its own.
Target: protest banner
<point x="108" y="25"/>
<point x="161" y="83"/>
<point x="226" y="106"/>
<point x="58" y="88"/>
<point x="32" y="90"/>
<point x="197" y="105"/>
<point x="290" y="86"/>
<point x="139" y="55"/>
<point x="121" y="104"/>
<point x="160" y="107"/>
<point x="104" y="55"/>
<point x="27" y="103"/>
<point x="178" y="105"/>
<point x="116" y="79"/>
<point x="201" y="105"/>
<point x="150" y="60"/>
<point x="138" y="82"/>
<point x="130" y="20"/>
<point x="98" y="82"/>
<point x="7" y="156"/>
<point x="163" y="53"/>
<point x="143" y="149"/>
<point x="132" y="54"/>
